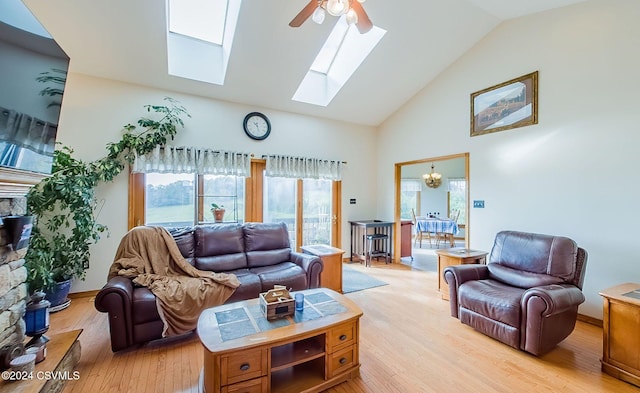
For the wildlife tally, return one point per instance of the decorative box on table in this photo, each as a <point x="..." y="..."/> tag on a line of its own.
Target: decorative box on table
<point x="277" y="303"/>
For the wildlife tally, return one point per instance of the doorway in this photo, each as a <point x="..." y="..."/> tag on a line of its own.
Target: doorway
<point x="425" y="204"/>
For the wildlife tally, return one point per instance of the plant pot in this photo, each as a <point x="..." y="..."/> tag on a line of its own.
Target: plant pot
<point x="57" y="296"/>
<point x="218" y="214"/>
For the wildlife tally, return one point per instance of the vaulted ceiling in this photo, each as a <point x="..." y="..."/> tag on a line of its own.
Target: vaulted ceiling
<point x="125" y="40"/>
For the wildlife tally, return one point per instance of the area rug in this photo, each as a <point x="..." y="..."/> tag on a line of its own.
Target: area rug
<point x="354" y="280"/>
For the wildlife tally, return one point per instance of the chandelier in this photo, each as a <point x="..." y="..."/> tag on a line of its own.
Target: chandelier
<point x="432" y="179"/>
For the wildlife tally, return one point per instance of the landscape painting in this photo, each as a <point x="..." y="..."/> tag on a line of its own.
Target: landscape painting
<point x="505" y="106"/>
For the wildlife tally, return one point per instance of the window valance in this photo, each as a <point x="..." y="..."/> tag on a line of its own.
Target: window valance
<point x="410" y="185"/>
<point x="303" y="168"/>
<point x="172" y="159"/>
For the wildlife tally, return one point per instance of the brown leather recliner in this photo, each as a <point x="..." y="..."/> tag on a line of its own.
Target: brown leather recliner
<point x="527" y="295"/>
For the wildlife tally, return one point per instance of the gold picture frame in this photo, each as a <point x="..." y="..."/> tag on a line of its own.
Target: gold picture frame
<point x="511" y="104"/>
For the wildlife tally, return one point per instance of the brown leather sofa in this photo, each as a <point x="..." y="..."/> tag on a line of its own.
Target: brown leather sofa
<point x="527" y="295"/>
<point x="257" y="253"/>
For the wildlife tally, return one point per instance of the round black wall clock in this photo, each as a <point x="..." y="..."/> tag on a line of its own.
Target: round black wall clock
<point x="256" y="126"/>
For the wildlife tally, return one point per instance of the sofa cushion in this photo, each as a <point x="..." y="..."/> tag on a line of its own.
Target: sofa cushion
<point x="288" y="274"/>
<point x="266" y="244"/>
<point x="184" y="238"/>
<point x="144" y="306"/>
<point x="219" y="248"/>
<point x="535" y="253"/>
<point x="493" y="299"/>
<point x="250" y="286"/>
<point x="520" y="278"/>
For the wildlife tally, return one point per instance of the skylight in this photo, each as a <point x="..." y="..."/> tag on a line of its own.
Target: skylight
<point x="202" y="19"/>
<point x="199" y="38"/>
<point x="342" y="54"/>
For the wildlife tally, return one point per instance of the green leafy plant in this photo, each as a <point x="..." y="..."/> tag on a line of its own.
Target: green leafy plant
<point x="65" y="204"/>
<point x="215" y="206"/>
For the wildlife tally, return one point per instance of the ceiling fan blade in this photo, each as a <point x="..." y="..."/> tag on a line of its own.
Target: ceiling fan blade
<point x="304" y="14"/>
<point x="364" y="24"/>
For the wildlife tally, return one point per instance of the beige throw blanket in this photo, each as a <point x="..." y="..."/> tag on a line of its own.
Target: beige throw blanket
<point x="151" y="257"/>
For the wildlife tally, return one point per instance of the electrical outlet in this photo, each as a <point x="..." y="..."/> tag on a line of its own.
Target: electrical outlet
<point x="478" y="204"/>
<point x="352" y="201"/>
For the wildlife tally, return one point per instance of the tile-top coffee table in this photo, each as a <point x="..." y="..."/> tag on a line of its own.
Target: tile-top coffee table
<point x="310" y="351"/>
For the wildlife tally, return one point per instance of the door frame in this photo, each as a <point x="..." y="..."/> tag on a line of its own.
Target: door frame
<point x="396" y="210"/>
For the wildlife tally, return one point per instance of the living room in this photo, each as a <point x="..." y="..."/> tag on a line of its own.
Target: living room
<point x="536" y="178"/>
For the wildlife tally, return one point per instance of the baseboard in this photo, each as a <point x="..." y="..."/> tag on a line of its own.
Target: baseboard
<point x="77" y="295"/>
<point x="590" y="320"/>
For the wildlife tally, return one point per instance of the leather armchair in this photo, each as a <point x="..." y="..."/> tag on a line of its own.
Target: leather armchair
<point x="528" y="293"/>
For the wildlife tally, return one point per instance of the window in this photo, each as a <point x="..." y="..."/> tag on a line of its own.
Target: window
<point x="200" y="38"/>
<point x="409" y="197"/>
<point x="457" y="198"/>
<point x="309" y="207"/>
<point x="170" y="198"/>
<point x="341" y="55"/>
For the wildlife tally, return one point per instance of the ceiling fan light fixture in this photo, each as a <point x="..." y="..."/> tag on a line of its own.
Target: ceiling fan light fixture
<point x="352" y="17"/>
<point x="318" y="15"/>
<point x="337" y="7"/>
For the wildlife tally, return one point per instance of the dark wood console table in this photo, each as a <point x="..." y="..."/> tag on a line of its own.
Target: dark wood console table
<point x="359" y="231"/>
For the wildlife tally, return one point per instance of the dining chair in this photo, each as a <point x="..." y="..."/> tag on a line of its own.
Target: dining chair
<point x="446" y="236"/>
<point x="419" y="233"/>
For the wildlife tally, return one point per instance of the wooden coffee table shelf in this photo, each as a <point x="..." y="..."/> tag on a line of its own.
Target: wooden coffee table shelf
<point x="307" y="356"/>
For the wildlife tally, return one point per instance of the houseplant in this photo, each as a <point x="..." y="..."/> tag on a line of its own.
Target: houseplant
<point x="65" y="204"/>
<point x="218" y="212"/>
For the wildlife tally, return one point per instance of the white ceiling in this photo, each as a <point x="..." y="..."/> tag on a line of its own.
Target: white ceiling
<point x="125" y="40"/>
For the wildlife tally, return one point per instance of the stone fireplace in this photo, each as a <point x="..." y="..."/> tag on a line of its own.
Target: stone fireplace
<point x="14" y="186"/>
<point x="13" y="274"/>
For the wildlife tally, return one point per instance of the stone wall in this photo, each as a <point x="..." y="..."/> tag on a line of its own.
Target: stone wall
<point x="13" y="274"/>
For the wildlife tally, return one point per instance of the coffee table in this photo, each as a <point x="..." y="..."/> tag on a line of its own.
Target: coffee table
<point x="310" y="351"/>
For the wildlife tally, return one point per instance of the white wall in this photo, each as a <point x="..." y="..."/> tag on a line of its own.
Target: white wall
<point x="95" y="110"/>
<point x="573" y="174"/>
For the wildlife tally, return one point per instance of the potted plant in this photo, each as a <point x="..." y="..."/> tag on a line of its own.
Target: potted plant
<point x="66" y="208"/>
<point x="218" y="212"/>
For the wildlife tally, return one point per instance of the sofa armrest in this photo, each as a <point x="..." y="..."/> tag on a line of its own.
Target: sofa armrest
<point x="311" y="264"/>
<point x="457" y="275"/>
<point x="549" y="316"/>
<point x="555" y="298"/>
<point x="116" y="299"/>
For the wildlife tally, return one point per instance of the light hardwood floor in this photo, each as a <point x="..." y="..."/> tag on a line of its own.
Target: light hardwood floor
<point x="409" y="343"/>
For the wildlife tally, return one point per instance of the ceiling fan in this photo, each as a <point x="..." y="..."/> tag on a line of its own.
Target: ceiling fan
<point x="352" y="8"/>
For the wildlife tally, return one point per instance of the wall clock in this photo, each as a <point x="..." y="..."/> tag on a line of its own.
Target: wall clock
<point x="257" y="126"/>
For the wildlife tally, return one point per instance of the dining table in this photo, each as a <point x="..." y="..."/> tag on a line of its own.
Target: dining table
<point x="445" y="226"/>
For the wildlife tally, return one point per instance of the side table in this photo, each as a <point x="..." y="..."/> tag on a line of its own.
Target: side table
<point x="455" y="256"/>
<point x="331" y="276"/>
<point x="621" y="323"/>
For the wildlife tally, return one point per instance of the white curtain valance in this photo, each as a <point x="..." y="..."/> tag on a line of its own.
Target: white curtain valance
<point x="172" y="159"/>
<point x="303" y="168"/>
<point x="457" y="184"/>
<point x="410" y="185"/>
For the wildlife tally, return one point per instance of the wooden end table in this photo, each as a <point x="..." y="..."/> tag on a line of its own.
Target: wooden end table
<point x="621" y="323"/>
<point x="288" y="355"/>
<point x="455" y="256"/>
<point x="331" y="276"/>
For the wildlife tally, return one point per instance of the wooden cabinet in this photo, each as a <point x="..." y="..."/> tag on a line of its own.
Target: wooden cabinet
<point x="406" y="231"/>
<point x="331" y="276"/>
<point x="621" y="324"/>
<point x="455" y="256"/>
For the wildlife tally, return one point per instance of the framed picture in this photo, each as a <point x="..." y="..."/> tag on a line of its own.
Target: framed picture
<point x="511" y="104"/>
